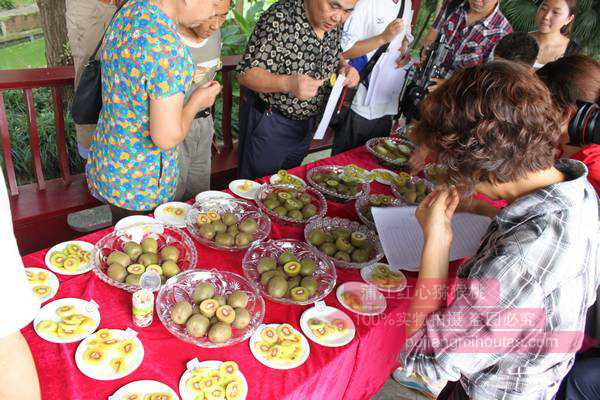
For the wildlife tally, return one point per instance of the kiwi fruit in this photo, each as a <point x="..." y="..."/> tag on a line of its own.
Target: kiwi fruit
<point x="299" y="294"/>
<point x="118" y="257"/>
<point x="117" y="272"/>
<point x="133" y="250"/>
<point x="170" y="269"/>
<point x="197" y="325"/>
<point x="360" y="255"/>
<point x="292" y="268"/>
<point x="221" y="300"/>
<point x="266" y="276"/>
<point x="224" y="239"/>
<point x="266" y="264"/>
<point x="207" y="231"/>
<point x="271" y="204"/>
<point x="225" y="314"/>
<point x="249" y="226"/>
<point x="280" y="211"/>
<point x="328" y="248"/>
<point x="237" y="299"/>
<point x="307" y="267"/>
<point x="148" y="258"/>
<point x="317" y="237"/>
<point x="219" y="227"/>
<point x="149" y="245"/>
<point x="343" y="245"/>
<point x="277" y="287"/>
<point x="286" y="257"/>
<point x="342" y="256"/>
<point x="295" y="215"/>
<point x="136" y="269"/>
<point x="202" y="292"/>
<point x="209" y="307"/>
<point x="133" y="279"/>
<point x="293" y="282"/>
<point x="310" y="284"/>
<point x="341" y="233"/>
<point x="243" y="239"/>
<point x="229" y="219"/>
<point x="169" y="253"/>
<point x="220" y="332"/>
<point x="181" y="312"/>
<point x="233" y="230"/>
<point x="358" y="239"/>
<point x="309" y="210"/>
<point x="242" y="318"/>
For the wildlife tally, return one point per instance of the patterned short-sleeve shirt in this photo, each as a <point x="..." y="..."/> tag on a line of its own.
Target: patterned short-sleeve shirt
<point x="284" y="43"/>
<point x="142" y="58"/>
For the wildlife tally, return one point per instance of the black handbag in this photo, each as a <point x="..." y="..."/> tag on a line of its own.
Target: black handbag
<point x="342" y="110"/>
<point x="87" y="101"/>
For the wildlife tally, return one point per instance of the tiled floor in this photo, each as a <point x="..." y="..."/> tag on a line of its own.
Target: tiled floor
<point x="393" y="391"/>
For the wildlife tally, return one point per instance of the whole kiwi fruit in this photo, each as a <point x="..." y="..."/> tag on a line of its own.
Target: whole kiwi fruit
<point x="197" y="325"/>
<point x="181" y="312"/>
<point x="237" y="299"/>
<point x="242" y="318"/>
<point x="220" y="332"/>
<point x="202" y="292"/>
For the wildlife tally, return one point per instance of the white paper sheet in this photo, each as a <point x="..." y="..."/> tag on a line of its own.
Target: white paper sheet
<point x="336" y="91"/>
<point x="402" y="238"/>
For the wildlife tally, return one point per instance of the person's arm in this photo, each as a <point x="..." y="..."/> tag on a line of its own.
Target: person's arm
<point x="366" y="46"/>
<point x="351" y="74"/>
<point x="18" y="376"/>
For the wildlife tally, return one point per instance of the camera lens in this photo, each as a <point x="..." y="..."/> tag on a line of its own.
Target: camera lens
<point x="584" y="127"/>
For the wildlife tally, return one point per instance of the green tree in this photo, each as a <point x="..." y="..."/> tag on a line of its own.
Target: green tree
<point x="586" y="29"/>
<point x="7" y="4"/>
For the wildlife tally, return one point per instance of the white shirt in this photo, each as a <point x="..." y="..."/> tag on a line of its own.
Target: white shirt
<point x="18" y="305"/>
<point x="370" y="18"/>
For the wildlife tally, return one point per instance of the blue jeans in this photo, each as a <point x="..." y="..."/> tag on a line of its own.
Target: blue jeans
<point x="583" y="382"/>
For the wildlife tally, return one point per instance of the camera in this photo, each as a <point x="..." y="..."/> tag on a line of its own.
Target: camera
<point x="584" y="127"/>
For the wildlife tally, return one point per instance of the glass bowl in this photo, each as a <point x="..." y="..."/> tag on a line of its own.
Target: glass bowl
<point x="243" y="210"/>
<point x="333" y="169"/>
<point x="327" y="224"/>
<point x="181" y="287"/>
<point x="386" y="160"/>
<point x="319" y="201"/>
<point x="166" y="235"/>
<point x="324" y="274"/>
<point x="362" y="208"/>
<point x="414" y="179"/>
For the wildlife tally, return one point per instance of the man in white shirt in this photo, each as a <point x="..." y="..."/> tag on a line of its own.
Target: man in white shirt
<point x="18" y="376"/>
<point x="373" y="24"/>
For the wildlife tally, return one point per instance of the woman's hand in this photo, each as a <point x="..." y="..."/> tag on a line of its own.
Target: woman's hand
<point x="436" y="211"/>
<point x="204" y="96"/>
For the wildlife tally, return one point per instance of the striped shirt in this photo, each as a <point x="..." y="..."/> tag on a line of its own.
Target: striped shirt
<point x="472" y="44"/>
<point x="539" y="257"/>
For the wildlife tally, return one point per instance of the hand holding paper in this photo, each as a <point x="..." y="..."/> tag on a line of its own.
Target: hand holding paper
<point x="330" y="107"/>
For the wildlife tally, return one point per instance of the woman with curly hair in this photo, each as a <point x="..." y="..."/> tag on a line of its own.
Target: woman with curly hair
<point x="495" y="128"/>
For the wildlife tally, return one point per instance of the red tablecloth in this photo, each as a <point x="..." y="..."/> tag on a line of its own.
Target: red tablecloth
<point x="355" y="371"/>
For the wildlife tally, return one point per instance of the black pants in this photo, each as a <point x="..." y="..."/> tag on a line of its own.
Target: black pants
<point x="268" y="141"/>
<point x="355" y="131"/>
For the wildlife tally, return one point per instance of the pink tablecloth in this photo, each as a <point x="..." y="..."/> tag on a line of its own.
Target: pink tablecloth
<point x="355" y="371"/>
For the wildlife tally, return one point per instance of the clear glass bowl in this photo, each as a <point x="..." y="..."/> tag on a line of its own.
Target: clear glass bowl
<point x="327" y="223"/>
<point x="333" y="169"/>
<point x="166" y="235"/>
<point x="414" y="179"/>
<point x="243" y="210"/>
<point x="370" y="145"/>
<point x="265" y="190"/>
<point x="324" y="274"/>
<point x="181" y="287"/>
<point x="362" y="206"/>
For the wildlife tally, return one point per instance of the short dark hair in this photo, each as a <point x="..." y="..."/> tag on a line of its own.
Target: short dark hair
<point x="494" y="123"/>
<point x="517" y="46"/>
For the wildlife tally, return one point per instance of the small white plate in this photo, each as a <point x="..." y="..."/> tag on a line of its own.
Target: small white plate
<point x="51" y="281"/>
<point x="103" y="371"/>
<point x="137" y="226"/>
<point x="172" y="213"/>
<point x="371" y="299"/>
<point x="142" y="388"/>
<point x="382" y="180"/>
<point x="327" y="314"/>
<point x="61" y="247"/>
<point x="244" y="188"/>
<point x="128" y="222"/>
<point x="274" y="364"/>
<point x="276" y="179"/>
<point x="366" y="273"/>
<point x="186" y="394"/>
<point x="48" y="313"/>
<point x="212" y="194"/>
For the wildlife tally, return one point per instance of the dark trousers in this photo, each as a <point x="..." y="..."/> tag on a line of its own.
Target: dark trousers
<point x="268" y="141"/>
<point x="583" y="381"/>
<point x="355" y="131"/>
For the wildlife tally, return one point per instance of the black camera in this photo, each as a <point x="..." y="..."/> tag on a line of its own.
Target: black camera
<point x="584" y="127"/>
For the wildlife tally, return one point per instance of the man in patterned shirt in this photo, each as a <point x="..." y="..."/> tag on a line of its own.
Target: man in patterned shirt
<point x="293" y="51"/>
<point x="526" y="291"/>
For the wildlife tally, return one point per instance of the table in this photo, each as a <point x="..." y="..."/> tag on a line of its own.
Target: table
<point x="353" y="372"/>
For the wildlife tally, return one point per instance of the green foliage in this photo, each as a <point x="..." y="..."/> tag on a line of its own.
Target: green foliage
<point x="7" y="4"/>
<point x="586" y="29"/>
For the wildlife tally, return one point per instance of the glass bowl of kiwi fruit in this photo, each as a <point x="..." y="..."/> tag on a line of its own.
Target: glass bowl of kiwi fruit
<point x="121" y="257"/>
<point x="289" y="271"/>
<point x="289" y="204"/>
<point x="411" y="189"/>
<point x="391" y="151"/>
<point x="334" y="183"/>
<point x="210" y="308"/>
<point x="348" y="244"/>
<point x="364" y="203"/>
<point x="227" y="224"/>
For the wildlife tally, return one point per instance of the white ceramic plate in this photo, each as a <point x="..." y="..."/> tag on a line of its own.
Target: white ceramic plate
<point x="139" y="225"/>
<point x="244" y="188"/>
<point x="142" y="388"/>
<point x="48" y="312"/>
<point x="366" y="273"/>
<point x="212" y="194"/>
<point x="371" y="300"/>
<point x="187" y="394"/>
<point x="172" y="213"/>
<point x="128" y="222"/>
<point x="274" y="364"/>
<point x="276" y="179"/>
<point x="328" y="314"/>
<point x="382" y="180"/>
<point x="50" y="280"/>
<point x="61" y="247"/>
<point x="103" y="371"/>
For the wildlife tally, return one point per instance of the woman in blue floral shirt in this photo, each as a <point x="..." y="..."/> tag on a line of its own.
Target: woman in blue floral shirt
<point x="146" y="71"/>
